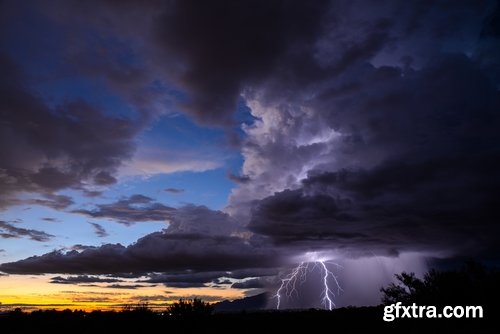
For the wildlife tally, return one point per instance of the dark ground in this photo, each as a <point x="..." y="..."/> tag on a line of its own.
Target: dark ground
<point x="349" y="320"/>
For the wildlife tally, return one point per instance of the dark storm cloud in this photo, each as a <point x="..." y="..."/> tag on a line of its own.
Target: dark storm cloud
<point x="8" y="231"/>
<point x="99" y="230"/>
<point x="55" y="147"/>
<point x="212" y="51"/>
<point x="186" y="279"/>
<point x="198" y="240"/>
<point x="394" y="148"/>
<point x="301" y="109"/>
<point x="193" y="219"/>
<point x="290" y="214"/>
<point x="82" y="279"/>
<point x="432" y="182"/>
<point x="156" y="252"/>
<point x="136" y="208"/>
<point x="222" y="46"/>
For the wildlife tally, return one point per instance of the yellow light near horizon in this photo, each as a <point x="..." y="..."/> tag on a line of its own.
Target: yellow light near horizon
<point x="36" y="292"/>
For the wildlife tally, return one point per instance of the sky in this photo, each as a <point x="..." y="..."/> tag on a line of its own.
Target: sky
<point x="157" y="150"/>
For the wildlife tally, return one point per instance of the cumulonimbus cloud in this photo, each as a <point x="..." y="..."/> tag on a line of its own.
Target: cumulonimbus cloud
<point x="375" y="129"/>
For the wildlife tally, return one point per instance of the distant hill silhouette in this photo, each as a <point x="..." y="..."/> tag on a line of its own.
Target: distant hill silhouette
<point x="253" y="303"/>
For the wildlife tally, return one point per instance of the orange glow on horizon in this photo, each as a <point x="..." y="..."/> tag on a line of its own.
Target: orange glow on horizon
<point x="36" y="292"/>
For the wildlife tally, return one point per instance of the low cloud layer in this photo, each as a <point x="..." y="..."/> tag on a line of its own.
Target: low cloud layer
<point x="181" y="247"/>
<point x="82" y="279"/>
<point x="156" y="252"/>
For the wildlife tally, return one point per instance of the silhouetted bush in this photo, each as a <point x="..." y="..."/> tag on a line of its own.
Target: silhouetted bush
<point x="355" y="319"/>
<point x="190" y="307"/>
<point x="137" y="309"/>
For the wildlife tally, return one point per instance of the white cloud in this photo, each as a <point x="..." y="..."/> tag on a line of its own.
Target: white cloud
<point x="152" y="161"/>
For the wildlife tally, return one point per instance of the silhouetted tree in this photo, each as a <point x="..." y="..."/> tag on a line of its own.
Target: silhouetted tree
<point x="472" y="285"/>
<point x="140" y="310"/>
<point x="189" y="307"/>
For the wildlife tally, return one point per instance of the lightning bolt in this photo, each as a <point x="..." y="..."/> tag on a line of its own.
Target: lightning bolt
<point x="290" y="283"/>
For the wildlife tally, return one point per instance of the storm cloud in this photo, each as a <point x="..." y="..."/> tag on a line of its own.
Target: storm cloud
<point x="182" y="247"/>
<point x="372" y="129"/>
<point x="407" y="164"/>
<point x="231" y="45"/>
<point x="383" y="154"/>
<point x="48" y="155"/>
